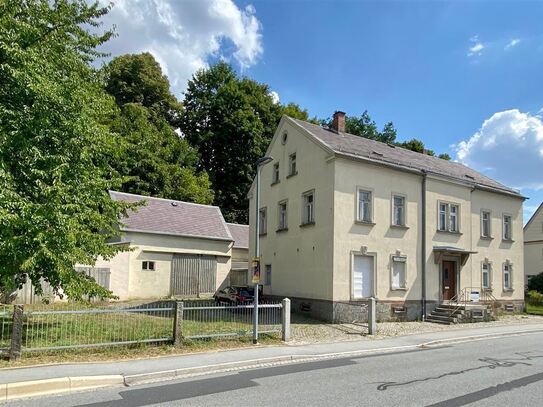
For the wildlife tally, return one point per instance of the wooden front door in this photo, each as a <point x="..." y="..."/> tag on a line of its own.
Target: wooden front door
<point x="448" y="279"/>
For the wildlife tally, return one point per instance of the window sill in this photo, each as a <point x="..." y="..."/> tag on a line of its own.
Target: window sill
<point x="263" y="234"/>
<point x="404" y="289"/>
<point x="275" y="183"/>
<point x="404" y="227"/>
<point x="303" y="225"/>
<point x="508" y="290"/>
<point x="292" y="175"/>
<point x="281" y="230"/>
<point x="508" y="241"/>
<point x="364" y="223"/>
<point x="448" y="232"/>
<point x="486" y="238"/>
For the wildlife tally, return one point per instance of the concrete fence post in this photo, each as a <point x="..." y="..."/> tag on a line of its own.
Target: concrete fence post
<point x="178" y="323"/>
<point x="16" y="333"/>
<point x="372" y="323"/>
<point x="285" y="321"/>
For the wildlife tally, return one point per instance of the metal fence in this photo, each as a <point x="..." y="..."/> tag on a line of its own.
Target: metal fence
<point x="207" y="320"/>
<point x="71" y="325"/>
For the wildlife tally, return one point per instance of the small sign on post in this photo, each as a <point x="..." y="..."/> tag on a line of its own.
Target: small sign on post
<point x="255" y="267"/>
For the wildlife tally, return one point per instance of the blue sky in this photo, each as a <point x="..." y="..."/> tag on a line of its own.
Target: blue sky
<point x="465" y="77"/>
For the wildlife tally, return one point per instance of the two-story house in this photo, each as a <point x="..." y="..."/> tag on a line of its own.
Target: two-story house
<point x="344" y="218"/>
<point x="533" y="244"/>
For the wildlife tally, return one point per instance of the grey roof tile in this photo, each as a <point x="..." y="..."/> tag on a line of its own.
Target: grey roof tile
<point x="240" y="234"/>
<point x="363" y="148"/>
<point x="167" y="216"/>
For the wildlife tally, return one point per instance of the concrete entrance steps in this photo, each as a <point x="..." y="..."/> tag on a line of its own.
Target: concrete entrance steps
<point x="453" y="313"/>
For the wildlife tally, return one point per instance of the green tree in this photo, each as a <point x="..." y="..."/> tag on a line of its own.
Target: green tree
<point x="230" y="121"/>
<point x="365" y="126"/>
<point x="155" y="160"/>
<point x="535" y="283"/>
<point x="445" y="156"/>
<point x="138" y="78"/>
<point x="55" y="210"/>
<point x="295" y="111"/>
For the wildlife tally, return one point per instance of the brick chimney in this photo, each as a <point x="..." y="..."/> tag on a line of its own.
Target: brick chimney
<point x="338" y="122"/>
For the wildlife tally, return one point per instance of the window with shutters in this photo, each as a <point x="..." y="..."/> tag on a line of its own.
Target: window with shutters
<point x="398" y="280"/>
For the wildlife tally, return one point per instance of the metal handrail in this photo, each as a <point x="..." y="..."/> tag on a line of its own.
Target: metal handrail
<point x="460" y="300"/>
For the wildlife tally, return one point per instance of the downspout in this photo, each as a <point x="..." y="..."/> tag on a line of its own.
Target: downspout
<point x="423" y="244"/>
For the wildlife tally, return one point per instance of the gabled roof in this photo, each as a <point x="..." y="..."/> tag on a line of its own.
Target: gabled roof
<point x="349" y="145"/>
<point x="176" y="218"/>
<point x="240" y="234"/>
<point x="535" y="214"/>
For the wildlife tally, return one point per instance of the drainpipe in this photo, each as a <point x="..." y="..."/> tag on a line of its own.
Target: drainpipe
<point x="423" y="244"/>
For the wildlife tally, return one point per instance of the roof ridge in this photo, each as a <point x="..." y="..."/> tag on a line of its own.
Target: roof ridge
<point x="422" y="160"/>
<point x="163" y="199"/>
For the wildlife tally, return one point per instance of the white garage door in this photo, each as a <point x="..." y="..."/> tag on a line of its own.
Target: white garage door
<point x="362" y="276"/>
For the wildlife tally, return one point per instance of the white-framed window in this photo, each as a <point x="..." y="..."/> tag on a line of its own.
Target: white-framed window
<point x="292" y="170"/>
<point x="398" y="278"/>
<point x="485" y="275"/>
<point x="275" y="177"/>
<point x="308" y="214"/>
<point x="148" y="265"/>
<point x="507" y="233"/>
<point x="507" y="276"/>
<point x="365" y="210"/>
<point x="263" y="221"/>
<point x="448" y="216"/>
<point x="485" y="224"/>
<point x="268" y="274"/>
<point x="282" y="215"/>
<point x="398" y="210"/>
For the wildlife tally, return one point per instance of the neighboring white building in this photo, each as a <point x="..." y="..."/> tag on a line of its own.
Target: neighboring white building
<point x="533" y="244"/>
<point x="344" y="218"/>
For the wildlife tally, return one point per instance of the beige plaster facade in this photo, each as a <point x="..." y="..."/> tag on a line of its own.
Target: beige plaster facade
<point x="313" y="264"/>
<point x="533" y="245"/>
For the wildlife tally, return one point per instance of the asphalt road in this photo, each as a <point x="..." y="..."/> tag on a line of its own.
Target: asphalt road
<point x="492" y="372"/>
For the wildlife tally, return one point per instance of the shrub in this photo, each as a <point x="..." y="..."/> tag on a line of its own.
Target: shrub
<point x="536" y="283"/>
<point x="535" y="298"/>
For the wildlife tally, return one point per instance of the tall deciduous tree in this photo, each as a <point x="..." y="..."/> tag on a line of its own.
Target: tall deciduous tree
<point x="155" y="160"/>
<point x="230" y="121"/>
<point x="55" y="210"/>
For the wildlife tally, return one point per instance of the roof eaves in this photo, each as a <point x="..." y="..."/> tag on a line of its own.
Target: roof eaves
<point x="154" y="232"/>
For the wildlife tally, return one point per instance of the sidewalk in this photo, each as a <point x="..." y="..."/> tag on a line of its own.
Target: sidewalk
<point x="253" y="356"/>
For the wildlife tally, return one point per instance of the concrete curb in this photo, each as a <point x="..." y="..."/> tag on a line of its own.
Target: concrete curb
<point x="11" y="391"/>
<point x="32" y="388"/>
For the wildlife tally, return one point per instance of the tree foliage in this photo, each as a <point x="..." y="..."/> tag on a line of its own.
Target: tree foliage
<point x="535" y="283"/>
<point x="154" y="159"/>
<point x="55" y="210"/>
<point x="230" y="121"/>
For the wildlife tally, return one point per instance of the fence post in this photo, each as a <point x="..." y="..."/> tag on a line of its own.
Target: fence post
<point x="372" y="326"/>
<point x="285" y="321"/>
<point x="178" y="323"/>
<point x="16" y="333"/>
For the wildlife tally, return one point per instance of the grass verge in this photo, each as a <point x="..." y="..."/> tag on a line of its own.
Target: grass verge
<point x="534" y="309"/>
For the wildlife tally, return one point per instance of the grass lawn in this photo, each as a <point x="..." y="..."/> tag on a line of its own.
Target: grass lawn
<point x="534" y="309"/>
<point x="67" y="329"/>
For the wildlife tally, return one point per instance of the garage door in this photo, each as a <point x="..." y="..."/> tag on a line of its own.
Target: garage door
<point x="193" y="274"/>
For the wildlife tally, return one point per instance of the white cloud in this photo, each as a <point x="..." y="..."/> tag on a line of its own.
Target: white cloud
<point x="476" y="48"/>
<point x="183" y="35"/>
<point x="507" y="147"/>
<point x="513" y="43"/>
<point x="275" y="96"/>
